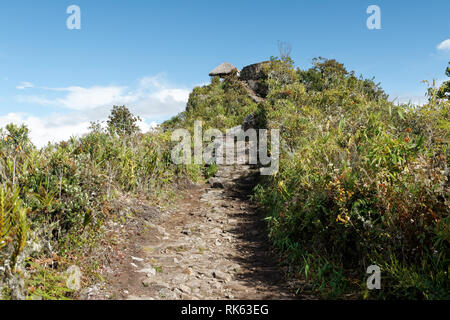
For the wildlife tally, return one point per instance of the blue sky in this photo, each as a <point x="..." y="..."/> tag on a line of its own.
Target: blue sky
<point x="149" y="54"/>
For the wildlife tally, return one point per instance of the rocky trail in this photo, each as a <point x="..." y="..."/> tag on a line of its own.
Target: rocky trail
<point x="212" y="245"/>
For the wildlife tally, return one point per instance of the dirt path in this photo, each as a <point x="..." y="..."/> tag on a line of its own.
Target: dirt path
<point x="213" y="245"/>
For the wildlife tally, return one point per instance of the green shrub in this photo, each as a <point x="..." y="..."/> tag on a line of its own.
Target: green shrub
<point x="361" y="181"/>
<point x="61" y="194"/>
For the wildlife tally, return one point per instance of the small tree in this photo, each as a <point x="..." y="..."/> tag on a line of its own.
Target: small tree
<point x="122" y="121"/>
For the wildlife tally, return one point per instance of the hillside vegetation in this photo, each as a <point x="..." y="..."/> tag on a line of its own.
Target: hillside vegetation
<point x="362" y="181"/>
<point x="221" y="105"/>
<point x="54" y="201"/>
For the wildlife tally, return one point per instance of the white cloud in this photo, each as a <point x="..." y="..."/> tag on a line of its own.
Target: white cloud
<point x="57" y="127"/>
<point x="151" y="99"/>
<point x="178" y="95"/>
<point x="444" y="45"/>
<point x="25" y="85"/>
<point x="49" y="129"/>
<point x="78" y="98"/>
<point x="151" y="96"/>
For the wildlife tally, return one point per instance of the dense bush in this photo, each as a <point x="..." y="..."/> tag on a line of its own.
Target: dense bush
<point x="54" y="196"/>
<point x="361" y="182"/>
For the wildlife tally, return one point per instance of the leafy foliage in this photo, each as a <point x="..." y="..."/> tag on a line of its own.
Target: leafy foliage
<point x="122" y="121"/>
<point x="361" y="182"/>
<point x="62" y="193"/>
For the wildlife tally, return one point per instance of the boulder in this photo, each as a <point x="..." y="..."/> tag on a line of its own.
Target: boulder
<point x="254" y="72"/>
<point x="254" y="75"/>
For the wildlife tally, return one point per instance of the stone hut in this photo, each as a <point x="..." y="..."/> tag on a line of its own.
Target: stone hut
<point x="223" y="70"/>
